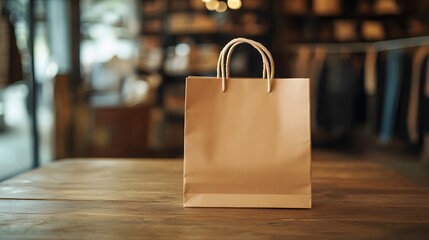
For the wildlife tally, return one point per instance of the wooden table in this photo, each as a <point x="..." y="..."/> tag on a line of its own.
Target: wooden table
<point x="142" y="199"/>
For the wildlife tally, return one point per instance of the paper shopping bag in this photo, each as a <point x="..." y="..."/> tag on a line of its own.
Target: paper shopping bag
<point x="247" y="140"/>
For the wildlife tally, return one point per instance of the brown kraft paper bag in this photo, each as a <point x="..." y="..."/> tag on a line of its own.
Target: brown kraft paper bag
<point x="247" y="140"/>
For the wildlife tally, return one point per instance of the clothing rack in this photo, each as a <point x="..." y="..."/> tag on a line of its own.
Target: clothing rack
<point x="381" y="107"/>
<point x="361" y="47"/>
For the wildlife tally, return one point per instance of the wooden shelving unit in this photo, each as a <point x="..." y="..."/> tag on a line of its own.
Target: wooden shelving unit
<point x="179" y="24"/>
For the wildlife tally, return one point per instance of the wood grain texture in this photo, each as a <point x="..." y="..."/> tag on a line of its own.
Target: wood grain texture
<point x="142" y="199"/>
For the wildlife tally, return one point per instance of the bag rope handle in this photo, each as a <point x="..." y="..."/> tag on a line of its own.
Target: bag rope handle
<point x="230" y="46"/>
<point x="233" y="43"/>
<point x="223" y="69"/>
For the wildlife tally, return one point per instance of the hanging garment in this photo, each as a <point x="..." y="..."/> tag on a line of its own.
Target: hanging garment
<point x="358" y="65"/>
<point x="338" y="89"/>
<point x="425" y="117"/>
<point x="413" y="103"/>
<point x="426" y="95"/>
<point x="303" y="62"/>
<point x="380" y="90"/>
<point x="316" y="64"/>
<point x="370" y="82"/>
<point x="374" y="79"/>
<point x="425" y="111"/>
<point x="400" y="128"/>
<point x="391" y="97"/>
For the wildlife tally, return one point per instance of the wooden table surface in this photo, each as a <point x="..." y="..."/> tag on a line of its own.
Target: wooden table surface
<point x="142" y="199"/>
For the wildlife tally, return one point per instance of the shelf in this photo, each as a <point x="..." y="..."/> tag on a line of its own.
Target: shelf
<point x="180" y="77"/>
<point x="228" y="11"/>
<point x="190" y="11"/>
<point x="343" y="16"/>
<point x="195" y="33"/>
<point x="153" y="15"/>
<point x="143" y="32"/>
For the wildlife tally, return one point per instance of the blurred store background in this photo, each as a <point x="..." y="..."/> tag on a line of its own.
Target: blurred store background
<point x="106" y="78"/>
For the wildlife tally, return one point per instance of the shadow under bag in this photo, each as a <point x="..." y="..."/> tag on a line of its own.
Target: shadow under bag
<point x="247" y="140"/>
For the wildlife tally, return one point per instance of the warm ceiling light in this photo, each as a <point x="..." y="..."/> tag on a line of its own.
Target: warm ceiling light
<point x="212" y="5"/>
<point x="221" y="7"/>
<point x="234" y="4"/>
<point x="206" y="1"/>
